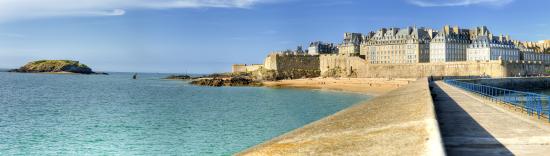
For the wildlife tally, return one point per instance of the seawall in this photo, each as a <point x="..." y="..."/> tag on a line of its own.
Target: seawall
<point x="349" y="66"/>
<point x="293" y="66"/>
<point x="401" y="122"/>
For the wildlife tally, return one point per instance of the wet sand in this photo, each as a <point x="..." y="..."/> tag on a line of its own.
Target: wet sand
<point x="370" y="86"/>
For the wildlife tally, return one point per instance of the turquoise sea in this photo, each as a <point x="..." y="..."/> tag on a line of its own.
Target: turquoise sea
<point x="49" y="114"/>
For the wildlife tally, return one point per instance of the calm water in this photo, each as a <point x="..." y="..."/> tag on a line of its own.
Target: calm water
<point x="44" y="114"/>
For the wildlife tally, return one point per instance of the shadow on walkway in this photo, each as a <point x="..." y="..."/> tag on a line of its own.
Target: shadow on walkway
<point x="462" y="135"/>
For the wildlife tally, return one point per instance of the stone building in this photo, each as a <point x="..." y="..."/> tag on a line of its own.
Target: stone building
<point x="411" y="52"/>
<point x="479" y="31"/>
<point x="397" y="46"/>
<point x="490" y="47"/>
<point x="544" y="45"/>
<point x="449" y="45"/>
<point x="318" y="47"/>
<point x="534" y="51"/>
<point x="351" y="44"/>
<point x="298" y="51"/>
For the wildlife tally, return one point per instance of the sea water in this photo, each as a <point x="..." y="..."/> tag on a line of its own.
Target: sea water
<point x="56" y="114"/>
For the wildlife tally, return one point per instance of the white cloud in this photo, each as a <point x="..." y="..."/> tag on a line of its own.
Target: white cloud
<point x="11" y="35"/>
<point x="31" y="9"/>
<point x="449" y="3"/>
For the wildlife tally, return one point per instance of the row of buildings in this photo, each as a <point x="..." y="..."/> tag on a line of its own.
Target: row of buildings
<point x="423" y="45"/>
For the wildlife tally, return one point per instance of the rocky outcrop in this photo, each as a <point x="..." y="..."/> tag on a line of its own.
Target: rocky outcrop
<point x="233" y="81"/>
<point x="274" y="75"/>
<point x="179" y="77"/>
<point x="55" y="66"/>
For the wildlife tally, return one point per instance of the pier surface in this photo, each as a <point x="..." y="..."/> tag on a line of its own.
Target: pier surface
<point x="401" y="122"/>
<point x="471" y="125"/>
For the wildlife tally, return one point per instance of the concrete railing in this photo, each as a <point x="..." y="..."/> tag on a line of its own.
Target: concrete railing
<point x="402" y="122"/>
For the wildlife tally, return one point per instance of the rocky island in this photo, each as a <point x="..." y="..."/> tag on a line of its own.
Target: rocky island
<point x="55" y="66"/>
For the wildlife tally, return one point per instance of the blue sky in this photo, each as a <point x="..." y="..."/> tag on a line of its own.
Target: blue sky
<point x="203" y="36"/>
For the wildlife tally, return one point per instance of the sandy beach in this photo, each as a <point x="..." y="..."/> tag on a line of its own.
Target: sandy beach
<point x="370" y="86"/>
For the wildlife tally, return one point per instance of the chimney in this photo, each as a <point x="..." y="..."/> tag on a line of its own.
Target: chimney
<point x="456" y="30"/>
<point x="446" y="29"/>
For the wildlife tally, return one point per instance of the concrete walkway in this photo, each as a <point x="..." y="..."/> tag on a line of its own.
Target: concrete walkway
<point x="471" y="125"/>
<point x="401" y="122"/>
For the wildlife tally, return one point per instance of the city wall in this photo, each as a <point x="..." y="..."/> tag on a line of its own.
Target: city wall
<point x="401" y="122"/>
<point x="346" y="66"/>
<point x="237" y="68"/>
<point x="293" y="66"/>
<point x="289" y="66"/>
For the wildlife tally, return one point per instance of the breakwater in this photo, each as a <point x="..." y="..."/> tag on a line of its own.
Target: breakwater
<point x="401" y="122"/>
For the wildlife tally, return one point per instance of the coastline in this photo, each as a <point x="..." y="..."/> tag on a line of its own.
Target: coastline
<point x="368" y="86"/>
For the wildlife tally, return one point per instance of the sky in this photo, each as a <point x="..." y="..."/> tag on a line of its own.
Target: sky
<point x="205" y="36"/>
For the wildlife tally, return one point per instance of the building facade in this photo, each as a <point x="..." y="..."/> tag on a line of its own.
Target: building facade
<point x="351" y="44"/>
<point x="490" y="47"/>
<point x="449" y="45"/>
<point x="397" y="46"/>
<point x="318" y="47"/>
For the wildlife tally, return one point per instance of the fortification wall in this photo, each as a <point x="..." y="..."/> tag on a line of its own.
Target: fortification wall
<point x="237" y="68"/>
<point x="454" y="69"/>
<point x="335" y="65"/>
<point x="345" y="66"/>
<point x="293" y="66"/>
<point x="253" y="67"/>
<point x="523" y="68"/>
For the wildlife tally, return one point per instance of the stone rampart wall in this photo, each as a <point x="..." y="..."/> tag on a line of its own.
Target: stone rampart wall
<point x="237" y="68"/>
<point x="293" y="66"/>
<point x="253" y="67"/>
<point x="345" y="66"/>
<point x="336" y="65"/>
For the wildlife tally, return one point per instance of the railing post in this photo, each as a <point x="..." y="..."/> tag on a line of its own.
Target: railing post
<point x="526" y="104"/>
<point x="539" y="105"/>
<point x="505" y="96"/>
<point x="529" y="105"/>
<point x="484" y="90"/>
<point x="516" y="99"/>
<point x="501" y="95"/>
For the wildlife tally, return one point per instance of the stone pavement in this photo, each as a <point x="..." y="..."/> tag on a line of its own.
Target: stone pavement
<point x="471" y="125"/>
<point x="401" y="122"/>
